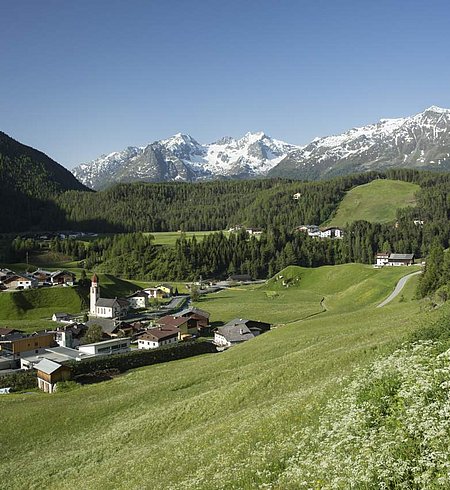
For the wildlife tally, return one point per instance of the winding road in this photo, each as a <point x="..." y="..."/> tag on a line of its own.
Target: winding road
<point x="400" y="285"/>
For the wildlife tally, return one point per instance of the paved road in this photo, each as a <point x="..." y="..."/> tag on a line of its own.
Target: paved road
<point x="398" y="289"/>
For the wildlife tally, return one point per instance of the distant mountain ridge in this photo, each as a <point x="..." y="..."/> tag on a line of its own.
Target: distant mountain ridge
<point x="182" y="158"/>
<point x="421" y="142"/>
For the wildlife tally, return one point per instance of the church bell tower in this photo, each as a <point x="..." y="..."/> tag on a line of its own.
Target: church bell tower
<point x="95" y="294"/>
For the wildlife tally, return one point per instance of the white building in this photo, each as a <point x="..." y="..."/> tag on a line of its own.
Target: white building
<point x="157" y="337"/>
<point x="138" y="300"/>
<point x="394" y="260"/>
<point x="382" y="259"/>
<point x="107" y="347"/>
<point x="331" y="232"/>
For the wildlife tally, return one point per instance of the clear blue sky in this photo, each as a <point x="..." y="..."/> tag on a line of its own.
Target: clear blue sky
<point x="81" y="78"/>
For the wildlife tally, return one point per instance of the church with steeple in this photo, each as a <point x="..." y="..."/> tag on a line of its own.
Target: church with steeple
<point x="105" y="307"/>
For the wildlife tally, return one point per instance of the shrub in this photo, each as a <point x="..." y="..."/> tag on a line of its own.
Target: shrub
<point x="22" y="380"/>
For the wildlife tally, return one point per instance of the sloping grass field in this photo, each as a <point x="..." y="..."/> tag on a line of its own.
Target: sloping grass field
<point x="377" y="201"/>
<point x="37" y="304"/>
<point x="229" y="420"/>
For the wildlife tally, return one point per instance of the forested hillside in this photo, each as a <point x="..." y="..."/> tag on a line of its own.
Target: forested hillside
<point x="29" y="180"/>
<point x="217" y="205"/>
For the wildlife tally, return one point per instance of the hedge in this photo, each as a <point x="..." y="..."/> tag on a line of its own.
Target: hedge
<point x="19" y="381"/>
<point x="140" y="358"/>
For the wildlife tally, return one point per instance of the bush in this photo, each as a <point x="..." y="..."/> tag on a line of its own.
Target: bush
<point x="140" y="358"/>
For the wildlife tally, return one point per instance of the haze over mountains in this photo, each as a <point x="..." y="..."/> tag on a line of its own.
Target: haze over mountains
<point x="421" y="141"/>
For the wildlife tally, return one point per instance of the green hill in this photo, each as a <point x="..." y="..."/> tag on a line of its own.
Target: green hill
<point x="228" y="420"/>
<point x="35" y="304"/>
<point x="377" y="201"/>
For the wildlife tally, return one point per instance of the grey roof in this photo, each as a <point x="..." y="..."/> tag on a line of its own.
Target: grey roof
<point x="108" y="325"/>
<point x="235" y="332"/>
<point x="57" y="273"/>
<point x="401" y="256"/>
<point x="106" y="302"/>
<point x="107" y="342"/>
<point x="194" y="310"/>
<point x="139" y="294"/>
<point x="47" y="366"/>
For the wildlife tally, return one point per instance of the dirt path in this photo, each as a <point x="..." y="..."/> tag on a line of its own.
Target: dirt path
<point x="400" y="285"/>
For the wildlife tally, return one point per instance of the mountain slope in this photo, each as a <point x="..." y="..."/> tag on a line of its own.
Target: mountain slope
<point x="182" y="158"/>
<point x="29" y="180"/>
<point x="420" y="142"/>
<point x="31" y="171"/>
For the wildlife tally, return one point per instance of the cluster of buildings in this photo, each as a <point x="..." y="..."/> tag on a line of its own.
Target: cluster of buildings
<point x="10" y="280"/>
<point x="62" y="235"/>
<point x="250" y="231"/>
<point x="316" y="232"/>
<point x="51" y="351"/>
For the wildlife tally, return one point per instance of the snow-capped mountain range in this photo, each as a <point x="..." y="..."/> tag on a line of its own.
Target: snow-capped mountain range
<point x="421" y="141"/>
<point x="182" y="158"/>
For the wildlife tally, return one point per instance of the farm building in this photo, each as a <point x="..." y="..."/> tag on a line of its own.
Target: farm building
<point x="49" y="373"/>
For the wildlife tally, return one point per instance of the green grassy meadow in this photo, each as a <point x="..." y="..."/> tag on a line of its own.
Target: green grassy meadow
<point x="377" y="201"/>
<point x="222" y="421"/>
<point x="169" y="238"/>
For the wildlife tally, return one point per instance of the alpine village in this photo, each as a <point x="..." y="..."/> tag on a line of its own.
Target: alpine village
<point x="247" y="313"/>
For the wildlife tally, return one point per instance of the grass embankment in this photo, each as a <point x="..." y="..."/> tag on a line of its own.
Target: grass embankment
<point x="35" y="304"/>
<point x="376" y="202"/>
<point x="228" y="420"/>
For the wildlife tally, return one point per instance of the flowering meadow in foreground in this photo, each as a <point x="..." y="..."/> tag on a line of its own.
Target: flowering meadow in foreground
<point x="389" y="429"/>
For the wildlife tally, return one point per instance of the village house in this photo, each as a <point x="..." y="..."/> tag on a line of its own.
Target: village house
<point x="5" y="273"/>
<point x="49" y="373"/>
<point x="200" y="317"/>
<point x="18" y="345"/>
<point x="8" y="333"/>
<point x="187" y="326"/>
<point x="310" y="230"/>
<point x="20" y="281"/>
<point x="113" y="327"/>
<point x="155" y="293"/>
<point x="42" y="276"/>
<point x="107" y="347"/>
<point x="239" y="330"/>
<point x="254" y="231"/>
<point x="62" y="278"/>
<point x="63" y="317"/>
<point x="384" y="259"/>
<point x="159" y="336"/>
<point x="138" y="300"/>
<point x="331" y="232"/>
<point x="167" y="289"/>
